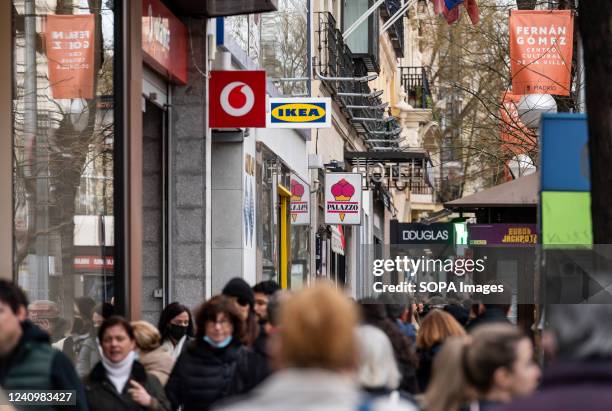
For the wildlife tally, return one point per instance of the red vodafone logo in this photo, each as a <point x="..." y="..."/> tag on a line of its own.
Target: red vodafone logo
<point x="237" y="99"/>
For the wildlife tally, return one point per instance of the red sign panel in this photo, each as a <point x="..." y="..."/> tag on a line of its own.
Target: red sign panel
<point x="237" y="99"/>
<point x="541" y="43"/>
<point x="93" y="263"/>
<point x="70" y="41"/>
<point x="164" y="41"/>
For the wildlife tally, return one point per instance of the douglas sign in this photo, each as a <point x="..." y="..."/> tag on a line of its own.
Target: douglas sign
<point x="416" y="233"/>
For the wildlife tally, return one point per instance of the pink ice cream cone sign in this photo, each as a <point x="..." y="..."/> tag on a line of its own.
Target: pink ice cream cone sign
<point x="342" y="191"/>
<point x="297" y="191"/>
<point x="343" y="198"/>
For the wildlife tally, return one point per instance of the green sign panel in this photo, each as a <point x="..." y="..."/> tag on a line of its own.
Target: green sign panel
<point x="566" y="218"/>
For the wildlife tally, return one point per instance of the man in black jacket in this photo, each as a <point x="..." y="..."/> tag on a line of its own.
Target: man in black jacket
<point x="27" y="360"/>
<point x="494" y="309"/>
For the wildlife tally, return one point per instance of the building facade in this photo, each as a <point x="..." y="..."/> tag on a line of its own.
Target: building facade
<point x="118" y="190"/>
<point x="107" y="169"/>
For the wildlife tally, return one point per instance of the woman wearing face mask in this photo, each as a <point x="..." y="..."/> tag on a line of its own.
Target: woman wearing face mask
<point x="492" y="366"/>
<point x="205" y="371"/>
<point x="119" y="381"/>
<point x="175" y="327"/>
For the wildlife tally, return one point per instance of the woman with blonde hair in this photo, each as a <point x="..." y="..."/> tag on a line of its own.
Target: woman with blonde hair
<point x="151" y="354"/>
<point x="436" y="327"/>
<point x="378" y="372"/>
<point x="492" y="366"/>
<point x="317" y="356"/>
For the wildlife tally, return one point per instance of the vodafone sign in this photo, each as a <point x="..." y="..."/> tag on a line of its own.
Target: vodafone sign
<point x="237" y="99"/>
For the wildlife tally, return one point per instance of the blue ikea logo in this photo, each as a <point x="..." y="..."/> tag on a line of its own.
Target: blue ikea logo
<point x="297" y="113"/>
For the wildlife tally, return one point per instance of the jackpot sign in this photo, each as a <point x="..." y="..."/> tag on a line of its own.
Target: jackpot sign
<point x="343" y="198"/>
<point x="299" y="112"/>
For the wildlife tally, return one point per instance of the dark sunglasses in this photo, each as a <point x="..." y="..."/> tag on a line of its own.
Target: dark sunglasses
<point x="242" y="301"/>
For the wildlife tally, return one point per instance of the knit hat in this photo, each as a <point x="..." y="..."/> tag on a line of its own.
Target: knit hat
<point x="237" y="287"/>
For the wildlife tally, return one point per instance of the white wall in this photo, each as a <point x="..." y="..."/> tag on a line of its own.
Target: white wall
<point x="289" y="146"/>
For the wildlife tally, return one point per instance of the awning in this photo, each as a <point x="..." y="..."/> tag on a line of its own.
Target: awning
<point x="522" y="192"/>
<point x="374" y="157"/>
<point x="221" y="8"/>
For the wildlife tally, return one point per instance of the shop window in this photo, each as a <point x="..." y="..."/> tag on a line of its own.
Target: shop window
<point x="63" y="139"/>
<point x="266" y="217"/>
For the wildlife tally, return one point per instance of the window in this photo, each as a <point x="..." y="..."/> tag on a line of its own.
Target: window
<point x="63" y="142"/>
<point x="364" y="40"/>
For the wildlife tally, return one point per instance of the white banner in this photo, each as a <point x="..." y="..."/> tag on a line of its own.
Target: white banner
<point x="343" y="198"/>
<point x="300" y="201"/>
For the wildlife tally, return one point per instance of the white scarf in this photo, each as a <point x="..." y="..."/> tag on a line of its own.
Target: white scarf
<point x="119" y="372"/>
<point x="179" y="347"/>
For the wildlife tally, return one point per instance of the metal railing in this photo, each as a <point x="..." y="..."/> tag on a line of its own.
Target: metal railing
<point x="416" y="86"/>
<point x="396" y="32"/>
<point x="346" y="76"/>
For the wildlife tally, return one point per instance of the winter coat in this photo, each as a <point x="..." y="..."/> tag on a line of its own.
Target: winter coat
<point x="71" y="346"/>
<point x="254" y="365"/>
<point x="491" y="315"/>
<point x="35" y="365"/>
<point x="311" y="390"/>
<point x="88" y="356"/>
<point x="181" y="346"/>
<point x="570" y="386"/>
<point x="407" y="329"/>
<point x="204" y="374"/>
<point x="103" y="396"/>
<point x="426" y="358"/>
<point x="158" y="363"/>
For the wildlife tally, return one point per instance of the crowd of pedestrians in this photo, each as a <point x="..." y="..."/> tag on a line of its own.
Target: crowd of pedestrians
<point x="265" y="349"/>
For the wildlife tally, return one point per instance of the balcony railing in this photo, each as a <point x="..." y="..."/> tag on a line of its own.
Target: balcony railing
<point x="346" y="77"/>
<point x="396" y="32"/>
<point x="416" y="86"/>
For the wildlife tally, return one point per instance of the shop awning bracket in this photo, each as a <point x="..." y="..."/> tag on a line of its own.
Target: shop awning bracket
<point x="362" y="79"/>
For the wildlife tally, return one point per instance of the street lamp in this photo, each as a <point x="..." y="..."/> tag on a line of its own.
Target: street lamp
<point x="521" y="165"/>
<point x="532" y="106"/>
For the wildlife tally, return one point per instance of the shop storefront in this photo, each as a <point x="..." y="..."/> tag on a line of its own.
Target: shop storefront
<point x="283" y="211"/>
<point x="64" y="146"/>
<point x="106" y="165"/>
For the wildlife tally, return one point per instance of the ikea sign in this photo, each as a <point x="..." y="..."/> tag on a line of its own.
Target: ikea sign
<point x="307" y="112"/>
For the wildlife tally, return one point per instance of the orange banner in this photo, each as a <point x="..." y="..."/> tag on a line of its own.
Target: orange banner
<point x="70" y="41"/>
<point x="515" y="136"/>
<point x="541" y="51"/>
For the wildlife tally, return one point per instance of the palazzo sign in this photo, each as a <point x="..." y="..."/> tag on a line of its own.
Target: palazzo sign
<point x="300" y="201"/>
<point x="343" y="198"/>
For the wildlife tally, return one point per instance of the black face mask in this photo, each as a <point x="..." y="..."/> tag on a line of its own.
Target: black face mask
<point x="176" y="331"/>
